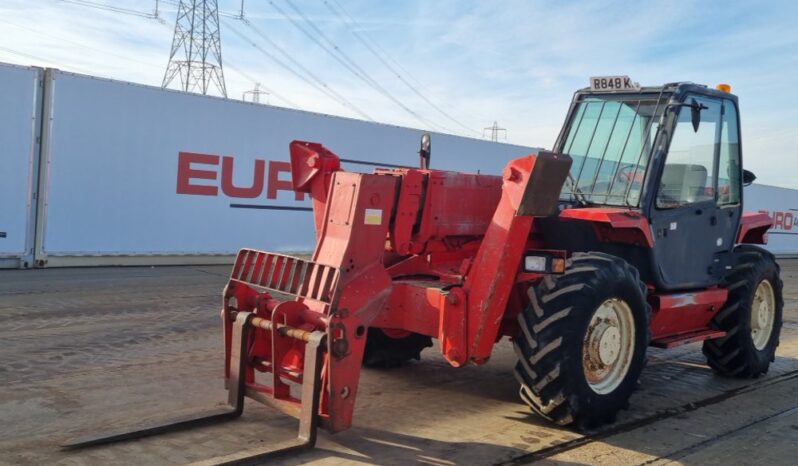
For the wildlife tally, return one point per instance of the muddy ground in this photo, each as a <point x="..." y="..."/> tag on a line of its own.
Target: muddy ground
<point x="100" y="348"/>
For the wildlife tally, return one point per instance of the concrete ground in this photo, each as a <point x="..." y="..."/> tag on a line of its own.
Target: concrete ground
<point x="98" y="349"/>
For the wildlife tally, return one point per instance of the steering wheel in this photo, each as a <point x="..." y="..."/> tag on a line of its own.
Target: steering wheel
<point x="625" y="174"/>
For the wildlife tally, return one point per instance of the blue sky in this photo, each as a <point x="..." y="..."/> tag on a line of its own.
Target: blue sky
<point x="516" y="62"/>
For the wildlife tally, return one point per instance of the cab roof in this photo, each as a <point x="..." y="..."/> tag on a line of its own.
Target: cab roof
<point x="675" y="89"/>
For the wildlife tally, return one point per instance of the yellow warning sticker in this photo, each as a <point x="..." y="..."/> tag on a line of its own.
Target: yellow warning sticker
<point x="373" y="217"/>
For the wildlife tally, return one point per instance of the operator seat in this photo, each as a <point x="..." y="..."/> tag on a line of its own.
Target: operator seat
<point x="682" y="184"/>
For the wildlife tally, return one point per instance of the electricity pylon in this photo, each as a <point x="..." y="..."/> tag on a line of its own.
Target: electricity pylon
<point x="196" y="48"/>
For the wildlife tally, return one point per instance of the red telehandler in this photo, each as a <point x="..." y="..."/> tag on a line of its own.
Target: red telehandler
<point x="629" y="234"/>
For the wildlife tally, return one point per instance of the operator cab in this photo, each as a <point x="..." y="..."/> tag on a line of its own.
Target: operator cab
<point x="669" y="153"/>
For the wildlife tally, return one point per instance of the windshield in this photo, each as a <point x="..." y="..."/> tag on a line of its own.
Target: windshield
<point x="609" y="140"/>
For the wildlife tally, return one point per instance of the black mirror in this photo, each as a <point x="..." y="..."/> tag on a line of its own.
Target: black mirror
<point x="695" y="111"/>
<point x="425" y="152"/>
<point x="695" y="114"/>
<point x="748" y="178"/>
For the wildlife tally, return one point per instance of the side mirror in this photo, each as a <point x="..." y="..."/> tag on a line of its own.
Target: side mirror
<point x="695" y="114"/>
<point x="695" y="111"/>
<point x="748" y="177"/>
<point x="425" y="152"/>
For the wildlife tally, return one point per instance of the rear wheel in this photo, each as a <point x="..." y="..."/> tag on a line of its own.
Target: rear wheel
<point x="751" y="317"/>
<point x="391" y="348"/>
<point x="583" y="341"/>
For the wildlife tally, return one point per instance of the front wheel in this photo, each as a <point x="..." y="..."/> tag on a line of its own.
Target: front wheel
<point x="583" y="341"/>
<point x="751" y="316"/>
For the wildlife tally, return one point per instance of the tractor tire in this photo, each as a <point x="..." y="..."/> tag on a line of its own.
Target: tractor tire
<point x="389" y="348"/>
<point x="583" y="341"/>
<point x="751" y="317"/>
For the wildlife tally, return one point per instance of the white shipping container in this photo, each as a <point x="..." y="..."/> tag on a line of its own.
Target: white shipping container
<point x="781" y="204"/>
<point x="20" y="102"/>
<point x="135" y="174"/>
<point x="136" y="170"/>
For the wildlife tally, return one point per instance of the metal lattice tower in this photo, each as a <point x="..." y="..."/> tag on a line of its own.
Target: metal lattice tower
<point x="494" y="132"/>
<point x="196" y="48"/>
<point x="255" y="93"/>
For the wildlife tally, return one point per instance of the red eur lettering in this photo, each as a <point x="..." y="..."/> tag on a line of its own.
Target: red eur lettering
<point x="185" y="174"/>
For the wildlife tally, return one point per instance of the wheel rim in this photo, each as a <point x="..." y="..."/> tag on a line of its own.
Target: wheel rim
<point x="608" y="346"/>
<point x="763" y="314"/>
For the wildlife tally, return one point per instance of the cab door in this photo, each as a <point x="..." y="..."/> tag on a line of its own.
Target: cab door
<point x="730" y="180"/>
<point x="689" y="233"/>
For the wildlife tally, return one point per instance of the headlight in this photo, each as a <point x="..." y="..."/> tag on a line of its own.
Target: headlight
<point x="535" y="264"/>
<point x="544" y="262"/>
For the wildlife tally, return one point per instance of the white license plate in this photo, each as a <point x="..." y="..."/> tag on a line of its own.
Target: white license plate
<point x="613" y="83"/>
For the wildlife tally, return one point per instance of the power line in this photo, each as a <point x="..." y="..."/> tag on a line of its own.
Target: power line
<point x="111" y="8"/>
<point x="200" y="70"/>
<point x="156" y="15"/>
<point x="350" y="64"/>
<point x="383" y="56"/>
<point x="22" y="54"/>
<point x="39" y="60"/>
<point x="379" y="47"/>
<point x="334" y="51"/>
<point x="248" y="76"/>
<point x="321" y="87"/>
<point x="80" y="44"/>
<point x="176" y="3"/>
<point x="268" y="90"/>
<point x="326" y="88"/>
<point x="309" y="77"/>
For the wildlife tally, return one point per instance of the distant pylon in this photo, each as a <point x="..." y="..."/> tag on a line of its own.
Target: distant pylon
<point x="196" y="48"/>
<point x="494" y="132"/>
<point x="255" y="93"/>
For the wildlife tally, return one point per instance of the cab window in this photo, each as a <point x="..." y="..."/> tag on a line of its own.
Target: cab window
<point x="688" y="174"/>
<point x="609" y="139"/>
<point x="729" y="167"/>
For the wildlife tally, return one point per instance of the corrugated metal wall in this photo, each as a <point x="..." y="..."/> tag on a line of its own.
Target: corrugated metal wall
<point x="781" y="204"/>
<point x="135" y="174"/>
<point x="20" y="111"/>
